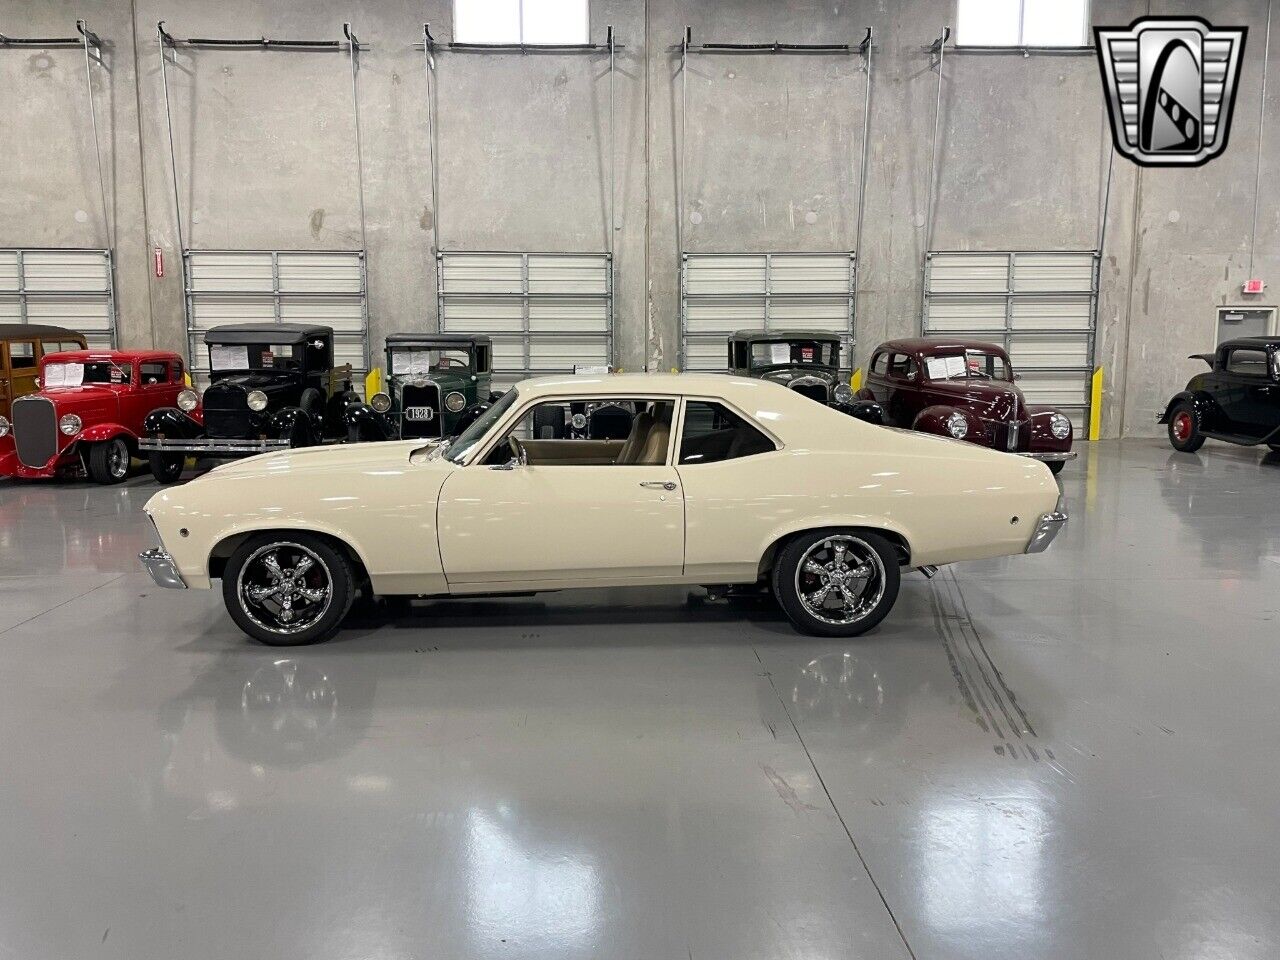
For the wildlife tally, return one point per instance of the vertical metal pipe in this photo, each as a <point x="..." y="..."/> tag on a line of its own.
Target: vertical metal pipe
<point x="173" y="153"/>
<point x="862" y="196"/>
<point x="430" y="69"/>
<point x="1262" y="119"/>
<point x="613" y="159"/>
<point x="933" y="159"/>
<point x="353" y="51"/>
<point x="682" y="149"/>
<point x="1106" y="203"/>
<point x="108" y="222"/>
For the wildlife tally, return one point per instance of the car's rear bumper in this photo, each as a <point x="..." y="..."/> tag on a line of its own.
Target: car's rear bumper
<point x="210" y="446"/>
<point x="1048" y="527"/>
<point x="162" y="569"/>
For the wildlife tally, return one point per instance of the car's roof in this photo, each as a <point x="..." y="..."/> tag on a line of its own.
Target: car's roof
<point x="116" y="356"/>
<point x="783" y="335"/>
<point x="640" y="385"/>
<point x="16" y="331"/>
<point x="236" y="333"/>
<point x="1251" y="342"/>
<point x="934" y="346"/>
<point x="458" y="338"/>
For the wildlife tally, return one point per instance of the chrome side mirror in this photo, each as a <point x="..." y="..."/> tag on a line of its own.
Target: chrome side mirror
<point x="520" y="458"/>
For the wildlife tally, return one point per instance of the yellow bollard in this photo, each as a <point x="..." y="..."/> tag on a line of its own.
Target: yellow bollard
<point x="855" y="381"/>
<point x="373" y="382"/>
<point x="1095" y="406"/>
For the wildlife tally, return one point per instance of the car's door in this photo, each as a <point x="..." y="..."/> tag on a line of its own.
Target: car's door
<point x="1248" y="392"/>
<point x="23" y="368"/>
<point x="156" y="384"/>
<point x="559" y="520"/>
<point x="877" y="380"/>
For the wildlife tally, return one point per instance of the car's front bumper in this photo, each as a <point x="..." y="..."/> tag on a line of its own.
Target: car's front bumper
<point x="1047" y="456"/>
<point x="1047" y="528"/>
<point x="162" y="569"/>
<point x="210" y="446"/>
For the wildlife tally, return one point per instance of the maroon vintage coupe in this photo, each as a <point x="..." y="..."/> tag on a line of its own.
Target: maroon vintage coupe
<point x="964" y="389"/>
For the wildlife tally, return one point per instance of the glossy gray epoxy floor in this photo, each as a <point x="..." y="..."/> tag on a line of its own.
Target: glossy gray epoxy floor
<point x="1072" y="755"/>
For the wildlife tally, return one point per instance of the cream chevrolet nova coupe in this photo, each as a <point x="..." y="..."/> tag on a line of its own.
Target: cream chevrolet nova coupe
<point x="716" y="480"/>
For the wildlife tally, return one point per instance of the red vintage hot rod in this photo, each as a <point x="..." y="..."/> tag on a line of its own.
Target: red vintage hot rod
<point x="87" y="414"/>
<point x="964" y="389"/>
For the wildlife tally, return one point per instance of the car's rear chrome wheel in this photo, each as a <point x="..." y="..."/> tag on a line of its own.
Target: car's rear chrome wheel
<point x="836" y="582"/>
<point x="286" y="591"/>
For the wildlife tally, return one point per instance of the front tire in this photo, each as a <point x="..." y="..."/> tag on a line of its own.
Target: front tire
<point x="288" y="589"/>
<point x="1055" y="466"/>
<point x="109" y="461"/>
<point x="167" y="467"/>
<point x="1184" y="429"/>
<point x="837" y="583"/>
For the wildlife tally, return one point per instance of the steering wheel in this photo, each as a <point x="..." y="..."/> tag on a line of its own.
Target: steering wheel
<point x="449" y="363"/>
<point x="517" y="451"/>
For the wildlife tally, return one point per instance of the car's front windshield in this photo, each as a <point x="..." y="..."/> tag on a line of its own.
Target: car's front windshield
<point x="469" y="437"/>
<point x="91" y="371"/>
<point x="773" y="353"/>
<point x="407" y="361"/>
<point x="968" y="365"/>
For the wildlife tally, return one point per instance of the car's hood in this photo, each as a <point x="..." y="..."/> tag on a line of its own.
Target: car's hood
<point x="79" y="399"/>
<point x="994" y="400"/>
<point x="345" y="457"/>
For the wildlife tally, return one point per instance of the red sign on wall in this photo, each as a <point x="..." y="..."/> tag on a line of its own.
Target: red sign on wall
<point x="159" y="262"/>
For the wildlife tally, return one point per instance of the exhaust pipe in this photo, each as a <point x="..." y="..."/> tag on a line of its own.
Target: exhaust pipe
<point x="930" y="571"/>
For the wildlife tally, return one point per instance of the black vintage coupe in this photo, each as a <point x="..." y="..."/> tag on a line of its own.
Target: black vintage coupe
<point x="806" y="361"/>
<point x="272" y="386"/>
<point x="1237" y="399"/>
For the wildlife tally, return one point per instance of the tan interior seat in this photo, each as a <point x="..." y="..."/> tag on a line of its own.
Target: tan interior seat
<point x="655" y="445"/>
<point x="634" y="445"/>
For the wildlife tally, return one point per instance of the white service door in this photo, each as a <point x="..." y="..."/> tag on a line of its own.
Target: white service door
<point x="553" y="522"/>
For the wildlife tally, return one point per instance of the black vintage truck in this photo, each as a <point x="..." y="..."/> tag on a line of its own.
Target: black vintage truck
<point x="272" y="386"/>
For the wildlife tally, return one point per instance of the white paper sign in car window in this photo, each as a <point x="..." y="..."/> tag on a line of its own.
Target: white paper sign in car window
<point x="228" y="358"/>
<point x="779" y="353"/>
<point x="937" y="367"/>
<point x="63" y="375"/>
<point x="405" y="362"/>
<point x="955" y="367"/>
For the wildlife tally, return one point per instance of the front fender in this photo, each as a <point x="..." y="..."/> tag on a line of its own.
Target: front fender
<point x="105" y="431"/>
<point x="1041" y="438"/>
<point x="934" y="420"/>
<point x="469" y="416"/>
<point x="291" y="423"/>
<point x="171" y="423"/>
<point x="365" y="424"/>
<point x="867" y="411"/>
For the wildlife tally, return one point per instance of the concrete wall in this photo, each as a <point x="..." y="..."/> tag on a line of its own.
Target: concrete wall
<point x="266" y="159"/>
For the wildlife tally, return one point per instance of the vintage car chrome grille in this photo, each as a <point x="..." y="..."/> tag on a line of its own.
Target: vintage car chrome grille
<point x="35" y="430"/>
<point x="420" y="400"/>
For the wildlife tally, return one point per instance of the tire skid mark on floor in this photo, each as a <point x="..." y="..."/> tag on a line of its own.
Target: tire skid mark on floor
<point x="982" y="685"/>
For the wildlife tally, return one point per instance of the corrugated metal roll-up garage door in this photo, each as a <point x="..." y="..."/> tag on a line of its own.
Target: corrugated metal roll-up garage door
<point x="266" y="286"/>
<point x="67" y="288"/>
<point x="1040" y="305"/>
<point x="724" y="292"/>
<point x="546" y="312"/>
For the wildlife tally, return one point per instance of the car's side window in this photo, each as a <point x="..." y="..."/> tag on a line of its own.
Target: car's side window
<point x="1247" y="362"/>
<point x="604" y="431"/>
<point x="879" y="363"/>
<point x="713" y="433"/>
<point x="22" y="354"/>
<point x="154" y="373"/>
<point x="898" y="365"/>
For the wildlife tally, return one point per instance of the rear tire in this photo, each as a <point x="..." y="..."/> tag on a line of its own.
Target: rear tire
<point x="109" y="461"/>
<point x="1184" y="428"/>
<point x="836" y="583"/>
<point x="287" y="589"/>
<point x="167" y="467"/>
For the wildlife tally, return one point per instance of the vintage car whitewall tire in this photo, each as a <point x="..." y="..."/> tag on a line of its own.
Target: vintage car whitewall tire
<point x="109" y="460"/>
<point x="836" y="582"/>
<point x="287" y="589"/>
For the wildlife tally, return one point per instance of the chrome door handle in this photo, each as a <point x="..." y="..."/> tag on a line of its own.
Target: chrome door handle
<point x="658" y="484"/>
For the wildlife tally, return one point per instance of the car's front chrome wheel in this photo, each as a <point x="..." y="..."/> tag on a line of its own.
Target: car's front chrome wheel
<point x="288" y="590"/>
<point x="837" y="582"/>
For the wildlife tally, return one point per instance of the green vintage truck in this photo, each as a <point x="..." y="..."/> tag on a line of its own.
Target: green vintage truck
<point x="436" y="385"/>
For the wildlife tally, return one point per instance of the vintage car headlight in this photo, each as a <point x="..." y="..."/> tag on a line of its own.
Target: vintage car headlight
<point x="380" y="402"/>
<point x="843" y="393"/>
<point x="957" y="425"/>
<point x="455" y="402"/>
<point x="1060" y="426"/>
<point x="188" y="400"/>
<point x="257" y="401"/>
<point x="70" y="424"/>
<point x="4" y="426"/>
